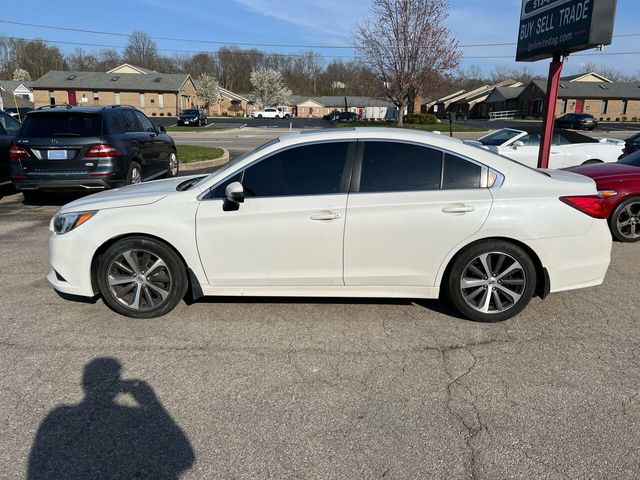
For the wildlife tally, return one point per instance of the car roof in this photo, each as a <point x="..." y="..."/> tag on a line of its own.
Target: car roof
<point x="78" y="109"/>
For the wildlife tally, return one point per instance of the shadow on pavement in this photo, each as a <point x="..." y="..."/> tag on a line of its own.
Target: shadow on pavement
<point x="104" y="437"/>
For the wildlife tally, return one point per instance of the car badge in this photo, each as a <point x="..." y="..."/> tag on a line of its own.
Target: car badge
<point x="54" y="140"/>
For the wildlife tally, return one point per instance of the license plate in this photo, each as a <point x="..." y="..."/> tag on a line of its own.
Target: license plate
<point x="57" y="155"/>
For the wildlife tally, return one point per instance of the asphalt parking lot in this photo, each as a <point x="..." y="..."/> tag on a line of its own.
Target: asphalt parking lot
<point x="303" y="388"/>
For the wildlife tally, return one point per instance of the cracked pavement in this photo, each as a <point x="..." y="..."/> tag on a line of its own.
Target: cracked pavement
<point x="304" y="388"/>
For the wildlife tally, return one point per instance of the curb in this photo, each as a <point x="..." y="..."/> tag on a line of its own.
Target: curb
<point x="187" y="167"/>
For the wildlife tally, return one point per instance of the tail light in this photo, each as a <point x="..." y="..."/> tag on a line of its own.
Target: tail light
<point x="593" y="205"/>
<point x="17" y="152"/>
<point x="102" y="150"/>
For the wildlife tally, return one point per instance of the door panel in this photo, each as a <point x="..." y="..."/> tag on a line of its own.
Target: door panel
<point x="401" y="238"/>
<point x="273" y="241"/>
<point x="579" y="106"/>
<point x="71" y="97"/>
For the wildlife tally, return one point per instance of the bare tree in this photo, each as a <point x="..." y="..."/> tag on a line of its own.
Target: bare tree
<point x="81" y="60"/>
<point x="604" y="70"/>
<point x="268" y="87"/>
<point x="407" y="45"/>
<point x="141" y="50"/>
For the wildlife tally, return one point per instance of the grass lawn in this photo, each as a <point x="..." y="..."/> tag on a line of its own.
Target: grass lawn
<point x="194" y="153"/>
<point x="193" y="128"/>
<point x="441" y="127"/>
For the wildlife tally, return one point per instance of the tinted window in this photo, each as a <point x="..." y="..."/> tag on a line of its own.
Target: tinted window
<point x="399" y="167"/>
<point x="76" y="124"/>
<point x="8" y="126"/>
<point x="130" y="122"/>
<point x="306" y="170"/>
<point x="531" y="139"/>
<point x="460" y="174"/>
<point x="190" y="112"/>
<point x="146" y="124"/>
<point x="116" y="123"/>
<point x="499" y="137"/>
<point x="633" y="159"/>
<point x="560" y="139"/>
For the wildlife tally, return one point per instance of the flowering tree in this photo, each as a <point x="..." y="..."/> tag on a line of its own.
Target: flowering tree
<point x="408" y="47"/>
<point x="209" y="90"/>
<point x="21" y="75"/>
<point x="268" y="87"/>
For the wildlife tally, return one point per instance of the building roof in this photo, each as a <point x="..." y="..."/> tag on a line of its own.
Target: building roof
<point x="127" y="66"/>
<point x="157" y="82"/>
<point x="501" y="94"/>
<point x="225" y="93"/>
<point x="337" y="101"/>
<point x="621" y="90"/>
<point x="584" y="77"/>
<point x="13" y="85"/>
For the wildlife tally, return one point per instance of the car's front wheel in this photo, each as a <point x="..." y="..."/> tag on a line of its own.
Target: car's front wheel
<point x="141" y="277"/>
<point x="174" y="165"/>
<point x="625" y="221"/>
<point x="491" y="281"/>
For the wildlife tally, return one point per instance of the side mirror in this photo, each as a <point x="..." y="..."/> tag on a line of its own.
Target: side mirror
<point x="235" y="192"/>
<point x="161" y="129"/>
<point x="517" y="144"/>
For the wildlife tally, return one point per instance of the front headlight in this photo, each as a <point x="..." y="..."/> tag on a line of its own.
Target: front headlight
<point x="65" y="222"/>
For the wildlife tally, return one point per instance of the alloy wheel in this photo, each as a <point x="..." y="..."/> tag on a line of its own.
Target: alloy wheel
<point x="139" y="280"/>
<point x="173" y="164"/>
<point x="136" y="177"/>
<point x="493" y="282"/>
<point x="628" y="221"/>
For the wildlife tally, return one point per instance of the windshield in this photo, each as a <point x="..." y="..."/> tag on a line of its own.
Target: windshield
<point x="633" y="159"/>
<point x="499" y="137"/>
<point x="233" y="163"/>
<point x="43" y="125"/>
<point x="190" y="112"/>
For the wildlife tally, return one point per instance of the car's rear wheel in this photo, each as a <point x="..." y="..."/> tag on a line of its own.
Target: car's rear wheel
<point x="259" y="116"/>
<point x="174" y="165"/>
<point x="141" y="278"/>
<point x="491" y="281"/>
<point x="135" y="174"/>
<point x="625" y="221"/>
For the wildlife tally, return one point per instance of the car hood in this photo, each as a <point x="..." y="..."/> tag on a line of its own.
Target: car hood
<point x="606" y="171"/>
<point x="129" y="196"/>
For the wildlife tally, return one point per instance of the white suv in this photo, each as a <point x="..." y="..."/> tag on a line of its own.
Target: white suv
<point x="352" y="213"/>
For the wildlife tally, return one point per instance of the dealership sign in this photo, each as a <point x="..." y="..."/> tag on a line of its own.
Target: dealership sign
<point x="564" y="26"/>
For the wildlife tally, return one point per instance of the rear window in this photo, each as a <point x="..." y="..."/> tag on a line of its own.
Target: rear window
<point x="499" y="137"/>
<point x="44" y="125"/>
<point x="190" y="112"/>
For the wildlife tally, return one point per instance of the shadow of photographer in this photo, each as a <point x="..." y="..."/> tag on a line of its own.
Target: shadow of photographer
<point x="104" y="438"/>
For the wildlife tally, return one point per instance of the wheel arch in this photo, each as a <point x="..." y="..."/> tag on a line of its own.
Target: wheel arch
<point x="543" y="282"/>
<point x="194" y="289"/>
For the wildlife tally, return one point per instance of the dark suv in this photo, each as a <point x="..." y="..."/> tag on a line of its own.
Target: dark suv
<point x="89" y="148"/>
<point x="8" y="129"/>
<point x="192" y="117"/>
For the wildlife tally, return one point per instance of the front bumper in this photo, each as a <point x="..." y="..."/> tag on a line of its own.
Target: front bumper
<point x="70" y="257"/>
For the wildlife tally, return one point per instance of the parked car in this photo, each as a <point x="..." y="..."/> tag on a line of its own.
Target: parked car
<point x="577" y="121"/>
<point x="89" y="148"/>
<point x="568" y="148"/>
<point x="336" y="116"/>
<point x="8" y="129"/>
<point x="272" y="112"/>
<point x="193" y="117"/>
<point x="354" y="213"/>
<point x="631" y="144"/>
<point x="619" y="184"/>
<point x="18" y="113"/>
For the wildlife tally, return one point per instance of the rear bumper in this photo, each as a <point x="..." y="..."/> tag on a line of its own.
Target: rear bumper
<point x="55" y="184"/>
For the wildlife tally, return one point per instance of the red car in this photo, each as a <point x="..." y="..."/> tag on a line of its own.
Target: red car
<point x="619" y="183"/>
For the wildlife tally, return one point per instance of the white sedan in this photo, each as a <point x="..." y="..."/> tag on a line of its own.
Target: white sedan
<point x="568" y="148"/>
<point x="270" y="113"/>
<point x="352" y="213"/>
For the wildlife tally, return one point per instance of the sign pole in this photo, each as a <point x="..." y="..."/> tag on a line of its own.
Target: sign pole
<point x="549" y="116"/>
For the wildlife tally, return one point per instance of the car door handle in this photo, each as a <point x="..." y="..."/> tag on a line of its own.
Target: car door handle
<point x="324" y="216"/>
<point x="458" y="209"/>
<point x="555" y="151"/>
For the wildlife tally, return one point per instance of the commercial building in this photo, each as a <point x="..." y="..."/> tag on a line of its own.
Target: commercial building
<point x="15" y="94"/>
<point x="366" y="107"/>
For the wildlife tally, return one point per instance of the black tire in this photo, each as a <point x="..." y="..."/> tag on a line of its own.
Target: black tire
<point x="131" y="174"/>
<point x="465" y="261"/>
<point x="627" y="210"/>
<point x="174" y="270"/>
<point x="259" y="116"/>
<point x="32" y="196"/>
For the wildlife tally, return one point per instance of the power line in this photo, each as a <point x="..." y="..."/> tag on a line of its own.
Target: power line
<point x="244" y="44"/>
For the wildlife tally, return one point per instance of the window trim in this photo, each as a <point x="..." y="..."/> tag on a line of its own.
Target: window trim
<point x="345" y="180"/>
<point x="484" y="172"/>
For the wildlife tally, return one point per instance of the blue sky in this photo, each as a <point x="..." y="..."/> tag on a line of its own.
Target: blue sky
<point x="307" y="22"/>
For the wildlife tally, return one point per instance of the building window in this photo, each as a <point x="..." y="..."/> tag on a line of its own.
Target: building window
<point x="96" y="97"/>
<point x="604" y="106"/>
<point x="564" y="106"/>
<point x="161" y="100"/>
<point x="142" y="101"/>
<point x="52" y="97"/>
<point x="623" y="107"/>
<point x="117" y="95"/>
